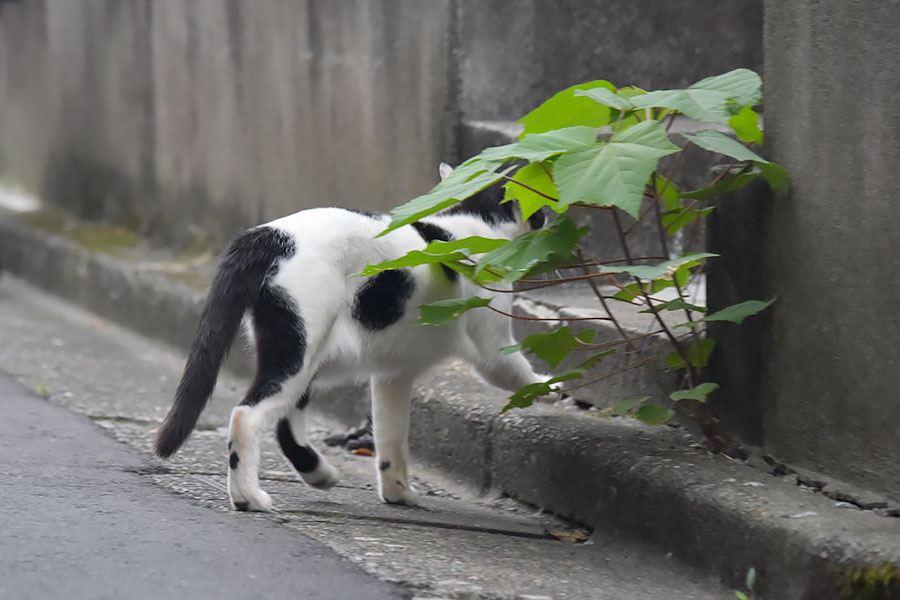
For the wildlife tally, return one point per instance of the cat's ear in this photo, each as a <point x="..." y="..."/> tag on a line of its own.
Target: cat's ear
<point x="445" y="170"/>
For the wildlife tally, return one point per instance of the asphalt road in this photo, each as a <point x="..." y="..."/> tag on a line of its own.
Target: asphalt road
<point x="78" y="520"/>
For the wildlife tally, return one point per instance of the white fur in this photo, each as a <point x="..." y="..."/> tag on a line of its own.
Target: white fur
<point x="332" y="248"/>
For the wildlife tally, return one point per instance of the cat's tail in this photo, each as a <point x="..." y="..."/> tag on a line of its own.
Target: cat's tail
<point x="241" y="273"/>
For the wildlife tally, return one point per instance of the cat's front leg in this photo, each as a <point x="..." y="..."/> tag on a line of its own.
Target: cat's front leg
<point x="390" y="421"/>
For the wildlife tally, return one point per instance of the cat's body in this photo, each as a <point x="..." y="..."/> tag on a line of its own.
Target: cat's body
<point x="315" y="323"/>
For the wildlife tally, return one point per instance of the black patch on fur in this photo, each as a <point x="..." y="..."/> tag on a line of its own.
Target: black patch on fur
<point x="385" y="465"/>
<point x="303" y="458"/>
<point x="486" y="205"/>
<point x="431" y="232"/>
<point x="242" y="506"/>
<point x="381" y="300"/>
<point x="280" y="343"/>
<point x="242" y="271"/>
<point x="233" y="460"/>
<point x="230" y="444"/>
<point x="537" y="220"/>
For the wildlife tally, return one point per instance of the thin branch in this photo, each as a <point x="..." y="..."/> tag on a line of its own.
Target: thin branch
<point x="610" y="344"/>
<point x="531" y="189"/>
<point x="622" y="333"/>
<point x="663" y="231"/>
<point x="594" y="206"/>
<point x="650" y="304"/>
<point x="606" y="375"/>
<point x="671" y="120"/>
<point x="521" y="318"/>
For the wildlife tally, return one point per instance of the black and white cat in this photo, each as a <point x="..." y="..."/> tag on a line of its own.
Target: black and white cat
<point x="316" y="323"/>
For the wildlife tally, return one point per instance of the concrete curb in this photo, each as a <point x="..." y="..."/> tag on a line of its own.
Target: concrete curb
<point x="646" y="482"/>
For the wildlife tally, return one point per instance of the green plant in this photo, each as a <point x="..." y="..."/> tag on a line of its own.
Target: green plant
<point x="749" y="583"/>
<point x="598" y="147"/>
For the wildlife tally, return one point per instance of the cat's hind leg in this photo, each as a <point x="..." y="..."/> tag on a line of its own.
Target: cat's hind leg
<point x="312" y="467"/>
<point x="286" y="351"/>
<point x="247" y="420"/>
<point x="390" y="421"/>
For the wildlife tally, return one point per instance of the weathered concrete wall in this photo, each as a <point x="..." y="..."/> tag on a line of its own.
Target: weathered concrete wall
<point x="515" y="54"/>
<point x="829" y="373"/>
<point x="190" y="119"/>
<point x="209" y="115"/>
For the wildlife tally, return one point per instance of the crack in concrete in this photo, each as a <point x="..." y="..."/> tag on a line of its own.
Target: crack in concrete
<point x="421" y="523"/>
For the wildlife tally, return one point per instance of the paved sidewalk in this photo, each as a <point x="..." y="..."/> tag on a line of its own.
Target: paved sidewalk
<point x="455" y="545"/>
<point x="78" y="521"/>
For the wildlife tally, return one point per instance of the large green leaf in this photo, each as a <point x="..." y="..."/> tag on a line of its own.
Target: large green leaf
<point x="698" y="393"/>
<point x="729" y="183"/>
<point x="736" y="313"/>
<point x="552" y="244"/>
<point x="656" y="271"/>
<point x="716" y="141"/>
<point x="447" y="311"/>
<point x="526" y="396"/>
<point x="742" y="85"/>
<point x="449" y="192"/>
<point x="613" y="173"/>
<point x="438" y="252"/>
<point x="536" y="177"/>
<point x="541" y="146"/>
<point x="713" y="99"/>
<point x="553" y="347"/>
<point x="776" y="176"/>
<point x="411" y="259"/>
<point x="606" y="97"/>
<point x="565" y="109"/>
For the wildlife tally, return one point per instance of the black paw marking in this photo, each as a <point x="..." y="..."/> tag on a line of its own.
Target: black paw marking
<point x="385" y="465"/>
<point x="242" y="506"/>
<point x="233" y="460"/>
<point x="304" y="458"/>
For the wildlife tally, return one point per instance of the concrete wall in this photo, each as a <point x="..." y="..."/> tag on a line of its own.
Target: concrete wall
<point x="829" y="376"/>
<point x="189" y="119"/>
<point x="209" y="115"/>
<point x="515" y="54"/>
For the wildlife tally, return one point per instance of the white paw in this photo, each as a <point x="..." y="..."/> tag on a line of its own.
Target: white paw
<point x="256" y="501"/>
<point x="397" y="492"/>
<point x="324" y="477"/>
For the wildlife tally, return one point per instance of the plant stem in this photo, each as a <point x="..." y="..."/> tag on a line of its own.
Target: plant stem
<point x="521" y="318"/>
<point x="531" y="189"/>
<point x="606" y="375"/>
<point x="625" y="337"/>
<point x="649" y="302"/>
<point x="664" y="242"/>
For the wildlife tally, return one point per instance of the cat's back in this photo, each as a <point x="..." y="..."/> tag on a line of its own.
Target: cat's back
<point x="347" y="240"/>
